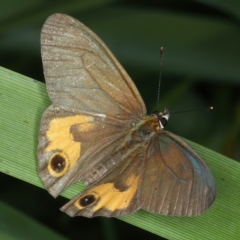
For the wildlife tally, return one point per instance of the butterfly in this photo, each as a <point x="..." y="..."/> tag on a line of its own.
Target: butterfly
<point x="97" y="130"/>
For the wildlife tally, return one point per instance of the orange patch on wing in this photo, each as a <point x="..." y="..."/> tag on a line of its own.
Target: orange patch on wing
<point x="61" y="139"/>
<point x="85" y="127"/>
<point x="110" y="198"/>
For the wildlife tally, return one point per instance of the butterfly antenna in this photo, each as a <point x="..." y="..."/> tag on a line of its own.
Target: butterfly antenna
<point x="197" y="109"/>
<point x="160" y="76"/>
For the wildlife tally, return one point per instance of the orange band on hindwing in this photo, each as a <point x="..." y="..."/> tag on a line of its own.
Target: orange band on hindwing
<point x="108" y="197"/>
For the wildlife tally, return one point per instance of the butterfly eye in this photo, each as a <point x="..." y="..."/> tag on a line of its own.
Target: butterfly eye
<point x="162" y="121"/>
<point x="162" y="117"/>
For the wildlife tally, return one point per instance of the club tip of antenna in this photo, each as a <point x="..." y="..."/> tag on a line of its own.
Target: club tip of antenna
<point x="161" y="49"/>
<point x="210" y="108"/>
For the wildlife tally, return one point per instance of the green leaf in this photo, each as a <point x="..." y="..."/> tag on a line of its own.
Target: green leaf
<point x="22" y="102"/>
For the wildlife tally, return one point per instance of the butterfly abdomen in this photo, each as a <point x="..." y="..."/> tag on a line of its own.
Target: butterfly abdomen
<point x="109" y="163"/>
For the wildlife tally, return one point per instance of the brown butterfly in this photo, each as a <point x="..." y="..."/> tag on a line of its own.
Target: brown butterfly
<point x="97" y="130"/>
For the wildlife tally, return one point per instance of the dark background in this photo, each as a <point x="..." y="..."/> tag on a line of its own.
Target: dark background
<point x="201" y="63"/>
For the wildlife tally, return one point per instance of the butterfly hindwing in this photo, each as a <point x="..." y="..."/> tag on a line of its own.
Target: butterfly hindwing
<point x="180" y="183"/>
<point x="116" y="193"/>
<point x="165" y="177"/>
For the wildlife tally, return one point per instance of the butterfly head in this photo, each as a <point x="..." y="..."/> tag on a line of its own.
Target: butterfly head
<point x="162" y="117"/>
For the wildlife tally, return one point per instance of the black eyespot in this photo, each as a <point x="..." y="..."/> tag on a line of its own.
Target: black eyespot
<point x="58" y="163"/>
<point x="87" y="200"/>
<point x="163" y="121"/>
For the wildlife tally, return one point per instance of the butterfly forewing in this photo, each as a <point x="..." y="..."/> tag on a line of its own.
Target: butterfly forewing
<point x="84" y="140"/>
<point x="81" y="73"/>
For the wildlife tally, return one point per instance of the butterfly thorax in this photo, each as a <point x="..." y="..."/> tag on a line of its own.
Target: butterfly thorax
<point x="151" y="124"/>
<point x="148" y="126"/>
